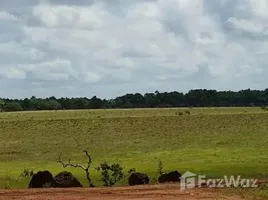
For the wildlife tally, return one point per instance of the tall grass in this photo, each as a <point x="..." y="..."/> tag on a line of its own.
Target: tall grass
<point x="208" y="141"/>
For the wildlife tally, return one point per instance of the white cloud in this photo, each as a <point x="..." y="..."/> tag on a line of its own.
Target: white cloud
<point x="149" y="10"/>
<point x="7" y="16"/>
<point x="54" y="70"/>
<point x="12" y="73"/>
<point x="248" y="26"/>
<point x="89" y="17"/>
<point x="92" y="77"/>
<point x="108" y="49"/>
<point x="259" y="8"/>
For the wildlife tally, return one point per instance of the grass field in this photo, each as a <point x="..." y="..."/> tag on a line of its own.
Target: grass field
<point x="210" y="141"/>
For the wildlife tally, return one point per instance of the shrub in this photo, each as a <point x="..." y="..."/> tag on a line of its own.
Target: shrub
<point x="187" y="112"/>
<point x="7" y="182"/>
<point x="160" y="168"/>
<point x="111" y="174"/>
<point x="264" y="108"/>
<point x="7" y="186"/>
<point x="2" y="103"/>
<point x="27" y="173"/>
<point x="179" y="113"/>
<point x="131" y="170"/>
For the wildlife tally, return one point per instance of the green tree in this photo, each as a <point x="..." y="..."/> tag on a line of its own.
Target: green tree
<point x="95" y="103"/>
<point x="52" y="104"/>
<point x="111" y="174"/>
<point x="12" y="106"/>
<point x="2" y="103"/>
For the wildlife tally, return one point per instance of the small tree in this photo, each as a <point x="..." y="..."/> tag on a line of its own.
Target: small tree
<point x="111" y="174"/>
<point x="2" y="104"/>
<point x="160" y="168"/>
<point x="85" y="168"/>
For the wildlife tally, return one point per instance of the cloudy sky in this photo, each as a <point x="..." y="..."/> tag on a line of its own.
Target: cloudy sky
<point x="112" y="47"/>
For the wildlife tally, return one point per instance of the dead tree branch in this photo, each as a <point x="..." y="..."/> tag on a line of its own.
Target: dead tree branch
<point x="85" y="168"/>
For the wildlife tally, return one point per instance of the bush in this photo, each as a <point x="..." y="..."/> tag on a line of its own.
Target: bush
<point x="131" y="170"/>
<point x="188" y="112"/>
<point x="27" y="173"/>
<point x="179" y="113"/>
<point x="12" y="106"/>
<point x="7" y="186"/>
<point x="2" y="103"/>
<point x="7" y="182"/>
<point x="160" y="168"/>
<point x="264" y="108"/>
<point x="111" y="174"/>
<point x="138" y="178"/>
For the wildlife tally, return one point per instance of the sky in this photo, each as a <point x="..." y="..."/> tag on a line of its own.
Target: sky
<point x="82" y="48"/>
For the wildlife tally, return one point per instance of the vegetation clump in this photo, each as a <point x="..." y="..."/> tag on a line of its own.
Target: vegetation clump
<point x="111" y="174"/>
<point x="27" y="173"/>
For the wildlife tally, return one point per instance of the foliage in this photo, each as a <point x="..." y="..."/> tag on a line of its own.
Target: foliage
<point x="178" y="113"/>
<point x="27" y="173"/>
<point x="52" y="105"/>
<point x="111" y="174"/>
<point x="12" y="106"/>
<point x="188" y="112"/>
<point x="193" y="98"/>
<point x="2" y="103"/>
<point x="160" y="168"/>
<point x="132" y="170"/>
<point x="265" y="108"/>
<point x="7" y="185"/>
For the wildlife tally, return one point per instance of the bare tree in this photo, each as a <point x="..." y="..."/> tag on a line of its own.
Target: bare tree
<point x="85" y="168"/>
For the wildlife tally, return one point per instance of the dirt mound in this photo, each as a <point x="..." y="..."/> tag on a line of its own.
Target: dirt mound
<point x="138" y="179"/>
<point x="173" y="176"/>
<point x="66" y="180"/>
<point x="42" y="179"/>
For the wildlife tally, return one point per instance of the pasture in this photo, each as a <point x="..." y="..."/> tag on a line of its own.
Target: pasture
<point x="208" y="141"/>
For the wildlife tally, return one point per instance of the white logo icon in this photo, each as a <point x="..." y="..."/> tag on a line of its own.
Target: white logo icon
<point x="190" y="180"/>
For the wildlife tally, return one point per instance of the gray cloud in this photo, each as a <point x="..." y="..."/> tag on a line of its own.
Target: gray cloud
<point x="109" y="48"/>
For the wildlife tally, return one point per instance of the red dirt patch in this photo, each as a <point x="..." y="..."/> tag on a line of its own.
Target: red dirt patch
<point x="156" y="192"/>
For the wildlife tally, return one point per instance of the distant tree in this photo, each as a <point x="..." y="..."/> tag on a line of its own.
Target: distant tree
<point x="12" y="106"/>
<point x="26" y="104"/>
<point x="52" y="104"/>
<point x="150" y="100"/>
<point x="193" y="98"/>
<point x="35" y="104"/>
<point x="2" y="103"/>
<point x="95" y="103"/>
<point x="80" y="103"/>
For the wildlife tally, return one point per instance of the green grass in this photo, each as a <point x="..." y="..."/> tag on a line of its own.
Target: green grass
<point x="210" y="141"/>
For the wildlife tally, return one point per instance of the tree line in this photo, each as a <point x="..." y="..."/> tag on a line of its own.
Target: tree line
<point x="193" y="98"/>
